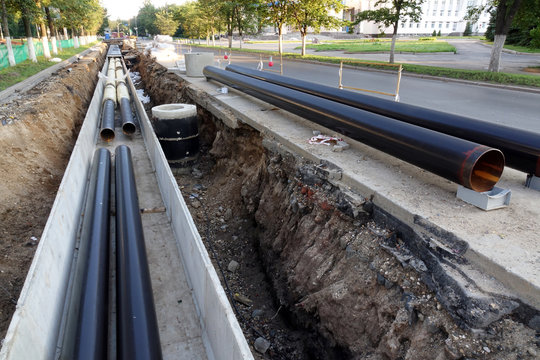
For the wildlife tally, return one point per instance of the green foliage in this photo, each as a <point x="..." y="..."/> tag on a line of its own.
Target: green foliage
<point x="315" y="14"/>
<point x="369" y="46"/>
<point x="535" y="37"/>
<point x="390" y="12"/>
<point x="439" y="33"/>
<point x="165" y="22"/>
<point x="434" y="33"/>
<point x="468" y="29"/>
<point x="146" y="19"/>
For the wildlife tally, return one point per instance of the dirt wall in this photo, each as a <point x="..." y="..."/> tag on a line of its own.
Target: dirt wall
<point x="39" y="130"/>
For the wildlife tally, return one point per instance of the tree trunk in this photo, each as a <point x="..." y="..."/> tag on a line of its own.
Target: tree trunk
<point x="213" y="37"/>
<point x="303" y="34"/>
<point x="45" y="41"/>
<point x="28" y="31"/>
<point x="280" y="37"/>
<point x="393" y="45"/>
<point x="51" y="30"/>
<point x="65" y="34"/>
<point x="11" y="57"/>
<point x="496" y="50"/>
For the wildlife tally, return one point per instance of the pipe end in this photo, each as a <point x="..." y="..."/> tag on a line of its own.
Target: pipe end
<point x="107" y="135"/>
<point x="129" y="128"/>
<point x="486" y="170"/>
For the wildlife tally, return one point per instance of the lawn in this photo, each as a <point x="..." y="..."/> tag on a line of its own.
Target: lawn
<point x="376" y="46"/>
<point x="15" y="74"/>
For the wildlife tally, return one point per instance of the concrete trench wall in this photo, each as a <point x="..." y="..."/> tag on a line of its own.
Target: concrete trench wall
<point x="341" y="266"/>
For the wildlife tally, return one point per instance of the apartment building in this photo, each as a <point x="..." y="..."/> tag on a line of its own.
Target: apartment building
<point x="446" y="16"/>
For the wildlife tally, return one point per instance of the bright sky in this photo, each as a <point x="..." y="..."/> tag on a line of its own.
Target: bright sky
<point x="126" y="9"/>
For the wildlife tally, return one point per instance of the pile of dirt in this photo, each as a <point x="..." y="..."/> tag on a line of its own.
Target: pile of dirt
<point x="39" y="130"/>
<point x="307" y="266"/>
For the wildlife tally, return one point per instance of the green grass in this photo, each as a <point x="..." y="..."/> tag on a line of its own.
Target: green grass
<point x="517" y="48"/>
<point x="15" y="74"/>
<point x="376" y="46"/>
<point x="472" y="75"/>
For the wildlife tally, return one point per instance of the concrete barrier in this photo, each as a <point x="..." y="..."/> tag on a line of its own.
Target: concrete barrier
<point x="195" y="63"/>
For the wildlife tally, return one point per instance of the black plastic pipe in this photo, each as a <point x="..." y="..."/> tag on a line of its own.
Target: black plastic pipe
<point x="128" y="124"/>
<point x="107" y="121"/>
<point x="86" y="333"/>
<point x="521" y="148"/>
<point x="472" y="165"/>
<point x="137" y="328"/>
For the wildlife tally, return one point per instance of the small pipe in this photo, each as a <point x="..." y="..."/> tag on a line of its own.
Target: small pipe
<point x="107" y="121"/>
<point x="137" y="328"/>
<point x="86" y="335"/>
<point x="521" y="148"/>
<point x="472" y="165"/>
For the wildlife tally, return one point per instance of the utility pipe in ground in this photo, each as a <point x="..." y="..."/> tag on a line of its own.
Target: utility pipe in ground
<point x="137" y="328"/>
<point x="86" y="332"/>
<point x="521" y="148"/>
<point x="472" y="165"/>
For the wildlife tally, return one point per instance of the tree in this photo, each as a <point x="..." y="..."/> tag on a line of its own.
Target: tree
<point x="506" y="10"/>
<point x="278" y="14"/>
<point x="5" y="27"/>
<point x="165" y="22"/>
<point x="468" y="29"/>
<point x="390" y="13"/>
<point x="146" y="18"/>
<point x="314" y="14"/>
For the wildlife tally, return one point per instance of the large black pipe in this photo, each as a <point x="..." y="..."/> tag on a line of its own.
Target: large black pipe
<point x="137" y="328"/>
<point x="107" y="121"/>
<point x="128" y="125"/>
<point x="86" y="332"/>
<point x="521" y="148"/>
<point x="472" y="165"/>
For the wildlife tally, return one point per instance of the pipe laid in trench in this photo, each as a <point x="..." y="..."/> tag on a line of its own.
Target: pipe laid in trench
<point x="472" y="165"/>
<point x="137" y="329"/>
<point x="128" y="124"/>
<point x="107" y="121"/>
<point x="86" y="332"/>
<point x="521" y="148"/>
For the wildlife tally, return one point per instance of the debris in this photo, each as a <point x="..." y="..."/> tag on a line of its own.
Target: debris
<point x="324" y="140"/>
<point x="233" y="266"/>
<point x="56" y="60"/>
<point x="261" y="345"/>
<point x="340" y="146"/>
<point x="257" y="313"/>
<point x="242" y="299"/>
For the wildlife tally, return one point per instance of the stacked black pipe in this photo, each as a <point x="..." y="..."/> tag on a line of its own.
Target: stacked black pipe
<point x="472" y="165"/>
<point x="521" y="148"/>
<point x="86" y="330"/>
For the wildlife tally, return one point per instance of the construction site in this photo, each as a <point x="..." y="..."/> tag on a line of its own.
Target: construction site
<point x="209" y="208"/>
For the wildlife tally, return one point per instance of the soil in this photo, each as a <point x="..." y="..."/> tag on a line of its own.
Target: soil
<point x="313" y="264"/>
<point x="39" y="130"/>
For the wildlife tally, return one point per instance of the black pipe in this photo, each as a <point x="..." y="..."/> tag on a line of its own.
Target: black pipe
<point x="521" y="148"/>
<point x="137" y="328"/>
<point x="86" y="332"/>
<point x="128" y="124"/>
<point x="472" y="165"/>
<point x="107" y="121"/>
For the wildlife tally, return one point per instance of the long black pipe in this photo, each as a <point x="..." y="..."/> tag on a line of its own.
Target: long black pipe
<point x="107" y="121"/>
<point x="472" y="165"/>
<point x="521" y="148"/>
<point x="86" y="334"/>
<point x="137" y="328"/>
<point x="128" y="125"/>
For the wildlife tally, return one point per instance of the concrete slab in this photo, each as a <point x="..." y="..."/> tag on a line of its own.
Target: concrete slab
<point x="502" y="244"/>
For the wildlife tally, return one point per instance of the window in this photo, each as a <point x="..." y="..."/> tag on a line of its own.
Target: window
<point x="402" y="25"/>
<point x="434" y="12"/>
<point x="440" y="25"/>
<point x="449" y="12"/>
<point x="417" y="25"/>
<point x="410" y="25"/>
<point x="425" y="24"/>
<point x="448" y="24"/>
<point x="457" y="12"/>
<point x="432" y="24"/>
<point x="442" y="12"/>
<point x="454" y="26"/>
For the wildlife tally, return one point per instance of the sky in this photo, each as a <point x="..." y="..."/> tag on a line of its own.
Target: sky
<point x="126" y="9"/>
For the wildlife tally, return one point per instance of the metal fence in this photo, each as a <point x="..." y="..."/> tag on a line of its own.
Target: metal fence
<point x="21" y="51"/>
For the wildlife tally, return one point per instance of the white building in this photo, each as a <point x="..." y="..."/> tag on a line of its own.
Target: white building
<point x="445" y="16"/>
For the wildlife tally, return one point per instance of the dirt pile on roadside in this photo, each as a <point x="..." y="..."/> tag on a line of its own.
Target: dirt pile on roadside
<point x="39" y="130"/>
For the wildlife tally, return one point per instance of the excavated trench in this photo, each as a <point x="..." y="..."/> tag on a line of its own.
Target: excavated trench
<point x="311" y="268"/>
<point x="308" y="266"/>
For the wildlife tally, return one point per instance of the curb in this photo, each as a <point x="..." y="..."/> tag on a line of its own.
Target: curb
<point x="33" y="80"/>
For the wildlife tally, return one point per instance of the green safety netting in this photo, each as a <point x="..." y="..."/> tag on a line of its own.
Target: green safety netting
<point x="21" y="53"/>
